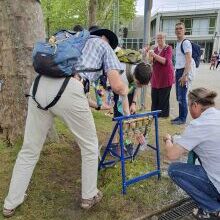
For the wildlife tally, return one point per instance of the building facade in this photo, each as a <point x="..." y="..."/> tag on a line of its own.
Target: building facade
<point x="202" y="27"/>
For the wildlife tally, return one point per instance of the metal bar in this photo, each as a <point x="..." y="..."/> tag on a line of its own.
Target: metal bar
<point x="153" y="113"/>
<point x="157" y="144"/>
<point x="142" y="177"/>
<point x="108" y="146"/>
<point x="123" y="174"/>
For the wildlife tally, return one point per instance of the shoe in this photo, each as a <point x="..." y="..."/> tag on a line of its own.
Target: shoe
<point x="175" y="119"/>
<point x="130" y="149"/>
<point x="8" y="212"/>
<point x="89" y="203"/>
<point x="114" y="150"/>
<point x="199" y="213"/>
<point x="178" y="122"/>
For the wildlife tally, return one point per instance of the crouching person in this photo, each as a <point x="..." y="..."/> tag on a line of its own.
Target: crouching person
<point x="73" y="108"/>
<point x="200" y="182"/>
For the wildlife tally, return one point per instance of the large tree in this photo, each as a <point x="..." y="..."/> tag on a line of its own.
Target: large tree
<point x="21" y="25"/>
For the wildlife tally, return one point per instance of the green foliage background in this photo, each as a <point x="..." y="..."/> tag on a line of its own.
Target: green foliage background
<point x="67" y="13"/>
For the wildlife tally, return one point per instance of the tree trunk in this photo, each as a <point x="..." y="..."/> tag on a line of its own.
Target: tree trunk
<point x="21" y="25"/>
<point x="92" y="12"/>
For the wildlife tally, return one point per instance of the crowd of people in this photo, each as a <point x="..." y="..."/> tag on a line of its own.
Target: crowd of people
<point x="201" y="182"/>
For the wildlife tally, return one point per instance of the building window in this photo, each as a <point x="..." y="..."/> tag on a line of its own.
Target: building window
<point x="200" y="26"/>
<point x="212" y="25"/>
<point x="188" y="25"/>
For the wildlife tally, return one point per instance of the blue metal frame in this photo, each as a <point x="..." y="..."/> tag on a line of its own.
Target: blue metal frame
<point x="122" y="158"/>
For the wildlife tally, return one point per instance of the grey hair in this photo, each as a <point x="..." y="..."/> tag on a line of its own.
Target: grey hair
<point x="203" y="96"/>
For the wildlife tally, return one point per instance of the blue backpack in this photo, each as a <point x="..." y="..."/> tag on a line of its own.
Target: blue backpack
<point x="196" y="52"/>
<point x="57" y="58"/>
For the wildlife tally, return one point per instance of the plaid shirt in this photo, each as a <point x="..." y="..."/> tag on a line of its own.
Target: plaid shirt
<point x="95" y="55"/>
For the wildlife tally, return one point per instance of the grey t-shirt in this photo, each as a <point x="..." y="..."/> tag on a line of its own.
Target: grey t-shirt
<point x="203" y="136"/>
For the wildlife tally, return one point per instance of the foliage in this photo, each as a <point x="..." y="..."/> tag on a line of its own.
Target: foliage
<point x="67" y="13"/>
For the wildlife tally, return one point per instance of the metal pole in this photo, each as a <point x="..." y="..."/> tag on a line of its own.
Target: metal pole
<point x="146" y="41"/>
<point x="147" y="18"/>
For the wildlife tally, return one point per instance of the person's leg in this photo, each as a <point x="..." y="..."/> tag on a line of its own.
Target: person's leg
<point x="154" y="99"/>
<point x="74" y="109"/>
<point x="38" y="123"/>
<point x="183" y="103"/>
<point x="163" y="101"/>
<point x="194" y="181"/>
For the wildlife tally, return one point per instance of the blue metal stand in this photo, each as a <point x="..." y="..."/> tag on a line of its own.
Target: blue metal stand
<point x="119" y="126"/>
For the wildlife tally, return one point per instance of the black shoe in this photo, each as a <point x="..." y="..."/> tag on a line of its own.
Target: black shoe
<point x="175" y="119"/>
<point x="178" y="122"/>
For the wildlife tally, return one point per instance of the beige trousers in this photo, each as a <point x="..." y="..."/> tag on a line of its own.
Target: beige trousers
<point x="73" y="108"/>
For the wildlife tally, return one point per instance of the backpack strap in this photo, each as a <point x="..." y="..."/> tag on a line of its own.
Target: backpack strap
<point x="55" y="100"/>
<point x="128" y="73"/>
<point x="181" y="46"/>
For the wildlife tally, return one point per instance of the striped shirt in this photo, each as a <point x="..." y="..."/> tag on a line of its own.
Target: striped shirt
<point x="96" y="54"/>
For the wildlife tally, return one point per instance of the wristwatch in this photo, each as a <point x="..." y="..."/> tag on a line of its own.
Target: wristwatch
<point x="98" y="108"/>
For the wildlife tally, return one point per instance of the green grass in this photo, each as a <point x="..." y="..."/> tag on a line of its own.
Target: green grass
<point x="54" y="191"/>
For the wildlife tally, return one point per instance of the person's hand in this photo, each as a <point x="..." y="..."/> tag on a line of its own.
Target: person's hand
<point x="133" y="108"/>
<point x="140" y="138"/>
<point x="167" y="137"/>
<point x="105" y="107"/>
<point x="183" y="80"/>
<point x="151" y="53"/>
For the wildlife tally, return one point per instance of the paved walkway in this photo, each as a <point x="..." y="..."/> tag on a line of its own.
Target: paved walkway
<point x="204" y="78"/>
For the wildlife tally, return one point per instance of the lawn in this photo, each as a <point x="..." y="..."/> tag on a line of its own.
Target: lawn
<point x="54" y="191"/>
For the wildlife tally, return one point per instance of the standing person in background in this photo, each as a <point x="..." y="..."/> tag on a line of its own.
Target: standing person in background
<point x="185" y="67"/>
<point x="162" y="76"/>
<point x="213" y="60"/>
<point x="218" y="59"/>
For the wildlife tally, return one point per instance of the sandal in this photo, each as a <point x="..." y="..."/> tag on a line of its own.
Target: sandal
<point x="199" y="213"/>
<point x="89" y="203"/>
<point x="8" y="212"/>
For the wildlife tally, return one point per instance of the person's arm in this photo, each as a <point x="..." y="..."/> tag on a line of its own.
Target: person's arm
<point x="134" y="101"/>
<point x="116" y="83"/>
<point x="173" y="151"/>
<point x="188" y="56"/>
<point x="157" y="57"/>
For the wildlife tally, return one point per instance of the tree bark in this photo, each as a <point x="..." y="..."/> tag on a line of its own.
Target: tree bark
<point x="21" y="25"/>
<point x="92" y="12"/>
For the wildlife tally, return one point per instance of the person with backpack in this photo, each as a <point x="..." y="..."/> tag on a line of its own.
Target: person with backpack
<point x="70" y="104"/>
<point x="185" y="68"/>
<point x="162" y="76"/>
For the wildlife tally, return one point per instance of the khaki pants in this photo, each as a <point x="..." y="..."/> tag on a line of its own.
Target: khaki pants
<point x="73" y="108"/>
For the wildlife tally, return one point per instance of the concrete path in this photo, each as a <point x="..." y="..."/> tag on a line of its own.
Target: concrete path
<point x="204" y="78"/>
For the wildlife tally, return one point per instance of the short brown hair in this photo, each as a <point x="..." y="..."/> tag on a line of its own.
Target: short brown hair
<point x="180" y="23"/>
<point x="142" y="73"/>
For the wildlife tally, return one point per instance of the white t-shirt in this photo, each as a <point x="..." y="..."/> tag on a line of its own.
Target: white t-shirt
<point x="203" y="137"/>
<point x="181" y="59"/>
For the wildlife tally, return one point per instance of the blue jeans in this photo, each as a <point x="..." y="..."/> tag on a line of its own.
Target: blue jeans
<point x="194" y="181"/>
<point x="181" y="96"/>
